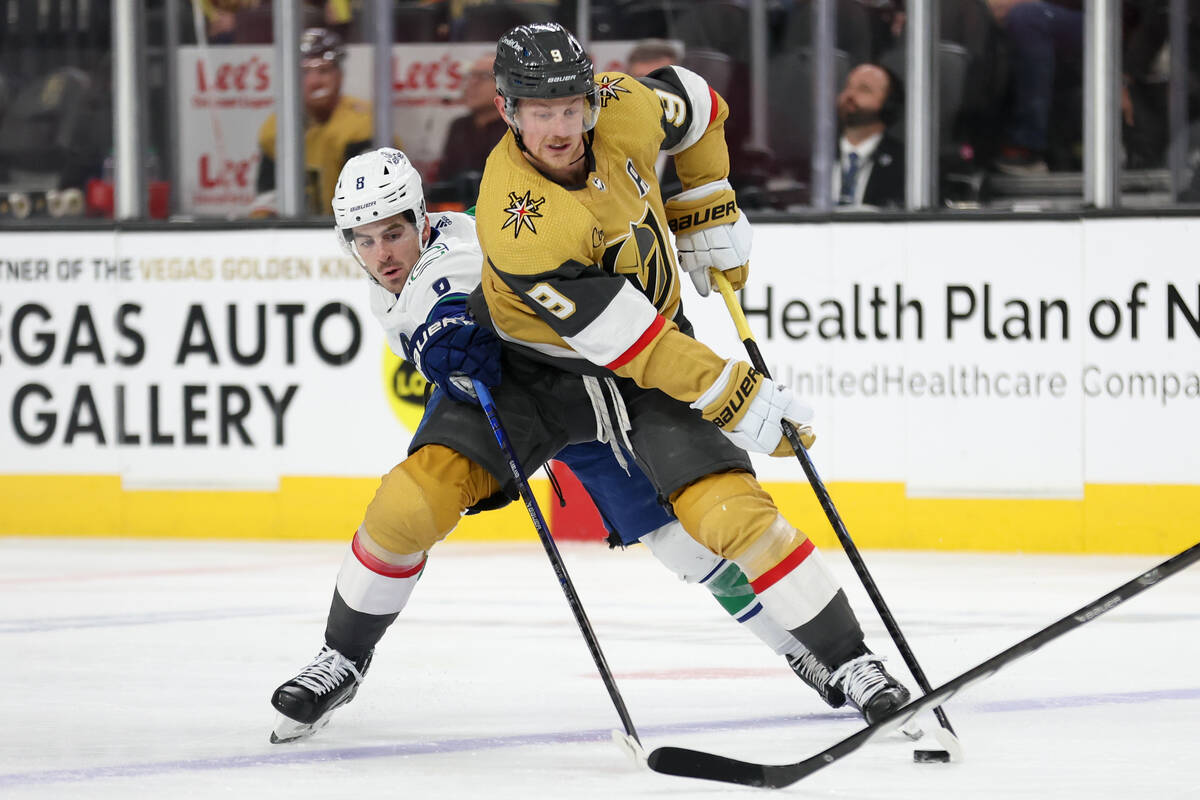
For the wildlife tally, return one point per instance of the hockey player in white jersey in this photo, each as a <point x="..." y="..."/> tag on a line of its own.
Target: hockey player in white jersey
<point x="422" y="267"/>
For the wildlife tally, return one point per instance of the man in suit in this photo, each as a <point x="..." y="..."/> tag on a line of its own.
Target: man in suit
<point x="870" y="168"/>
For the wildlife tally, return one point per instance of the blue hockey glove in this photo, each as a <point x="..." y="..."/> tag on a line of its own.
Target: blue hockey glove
<point x="454" y="350"/>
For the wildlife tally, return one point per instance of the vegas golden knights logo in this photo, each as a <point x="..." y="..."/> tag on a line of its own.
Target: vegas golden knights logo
<point x="641" y="255"/>
<point x="522" y="211"/>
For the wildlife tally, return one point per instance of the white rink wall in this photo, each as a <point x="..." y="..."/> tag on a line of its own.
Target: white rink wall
<point x="982" y="385"/>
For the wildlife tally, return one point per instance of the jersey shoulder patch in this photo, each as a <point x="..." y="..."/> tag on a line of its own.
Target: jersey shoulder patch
<point x="610" y="86"/>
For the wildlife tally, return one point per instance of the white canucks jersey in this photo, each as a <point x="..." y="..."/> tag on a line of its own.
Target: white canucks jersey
<point x="438" y="285"/>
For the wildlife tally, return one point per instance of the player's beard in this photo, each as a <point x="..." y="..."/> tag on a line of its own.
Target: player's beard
<point x="560" y="167"/>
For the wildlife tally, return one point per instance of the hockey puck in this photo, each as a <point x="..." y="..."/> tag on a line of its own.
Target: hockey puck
<point x="931" y="756"/>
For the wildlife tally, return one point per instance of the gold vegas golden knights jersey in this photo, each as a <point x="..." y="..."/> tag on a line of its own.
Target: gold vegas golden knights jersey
<point x="327" y="147"/>
<point x="586" y="275"/>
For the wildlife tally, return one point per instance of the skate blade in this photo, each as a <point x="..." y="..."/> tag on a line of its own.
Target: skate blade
<point x="288" y="730"/>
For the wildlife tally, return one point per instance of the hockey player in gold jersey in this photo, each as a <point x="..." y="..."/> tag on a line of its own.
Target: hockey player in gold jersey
<point x="580" y="279"/>
<point x="580" y="283"/>
<point x="422" y="268"/>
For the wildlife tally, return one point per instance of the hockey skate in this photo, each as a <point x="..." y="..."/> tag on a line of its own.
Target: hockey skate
<point x="817" y="675"/>
<point x="306" y="702"/>
<point x="869" y="687"/>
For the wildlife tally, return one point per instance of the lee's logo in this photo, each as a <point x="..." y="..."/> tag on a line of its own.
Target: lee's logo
<point x="703" y="215"/>
<point x="253" y="75"/>
<point x="227" y="173"/>
<point x="744" y="390"/>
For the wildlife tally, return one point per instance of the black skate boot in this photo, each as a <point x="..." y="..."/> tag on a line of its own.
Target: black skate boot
<point x="817" y="675"/>
<point x="307" y="701"/>
<point x="869" y="686"/>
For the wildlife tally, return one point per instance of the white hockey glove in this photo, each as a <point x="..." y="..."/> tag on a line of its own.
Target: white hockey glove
<point x="710" y="232"/>
<point x="749" y="407"/>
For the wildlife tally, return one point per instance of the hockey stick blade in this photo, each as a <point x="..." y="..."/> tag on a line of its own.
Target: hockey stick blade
<point x="696" y="764"/>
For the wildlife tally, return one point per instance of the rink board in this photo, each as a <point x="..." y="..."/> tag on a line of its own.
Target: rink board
<point x="990" y="386"/>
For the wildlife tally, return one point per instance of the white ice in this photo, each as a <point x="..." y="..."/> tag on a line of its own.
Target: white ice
<point x="143" y="668"/>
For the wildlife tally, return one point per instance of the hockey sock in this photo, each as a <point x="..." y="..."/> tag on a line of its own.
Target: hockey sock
<point x="801" y="594"/>
<point x="695" y="563"/>
<point x="736" y="596"/>
<point x="369" y="596"/>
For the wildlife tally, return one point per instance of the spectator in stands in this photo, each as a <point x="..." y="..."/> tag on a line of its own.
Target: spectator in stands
<point x="472" y="136"/>
<point x="488" y="20"/>
<point x="645" y="57"/>
<point x="337" y="127"/>
<point x="220" y="18"/>
<point x="337" y="14"/>
<point x="650" y="54"/>
<point x="870" y="160"/>
<point x="1045" y="37"/>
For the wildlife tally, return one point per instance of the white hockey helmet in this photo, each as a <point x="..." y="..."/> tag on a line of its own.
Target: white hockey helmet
<point x="375" y="186"/>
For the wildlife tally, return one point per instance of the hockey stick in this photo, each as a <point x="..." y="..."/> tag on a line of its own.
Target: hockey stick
<point x="831" y="512"/>
<point x="629" y="741"/>
<point x="696" y="764"/>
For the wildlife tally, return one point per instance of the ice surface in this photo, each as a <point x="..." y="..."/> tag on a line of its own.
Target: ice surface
<point x="143" y="668"/>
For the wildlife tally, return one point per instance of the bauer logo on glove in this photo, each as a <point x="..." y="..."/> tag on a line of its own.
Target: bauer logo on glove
<point x="454" y="350"/>
<point x="710" y="233"/>
<point x="708" y="213"/>
<point x="729" y="412"/>
<point x="750" y="408"/>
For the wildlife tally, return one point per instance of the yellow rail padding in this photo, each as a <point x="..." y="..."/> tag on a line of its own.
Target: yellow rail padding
<point x="1111" y="518"/>
<point x="302" y="508"/>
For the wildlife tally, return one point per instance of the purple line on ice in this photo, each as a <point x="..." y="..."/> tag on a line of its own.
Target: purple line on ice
<point x="301" y="755"/>
<point x="1082" y="700"/>
<point x="284" y="755"/>
<point x="47" y="624"/>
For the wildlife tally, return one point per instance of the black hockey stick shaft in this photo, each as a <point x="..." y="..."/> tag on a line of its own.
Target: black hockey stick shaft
<point x="831" y="512"/>
<point x="696" y="764"/>
<point x="560" y="569"/>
